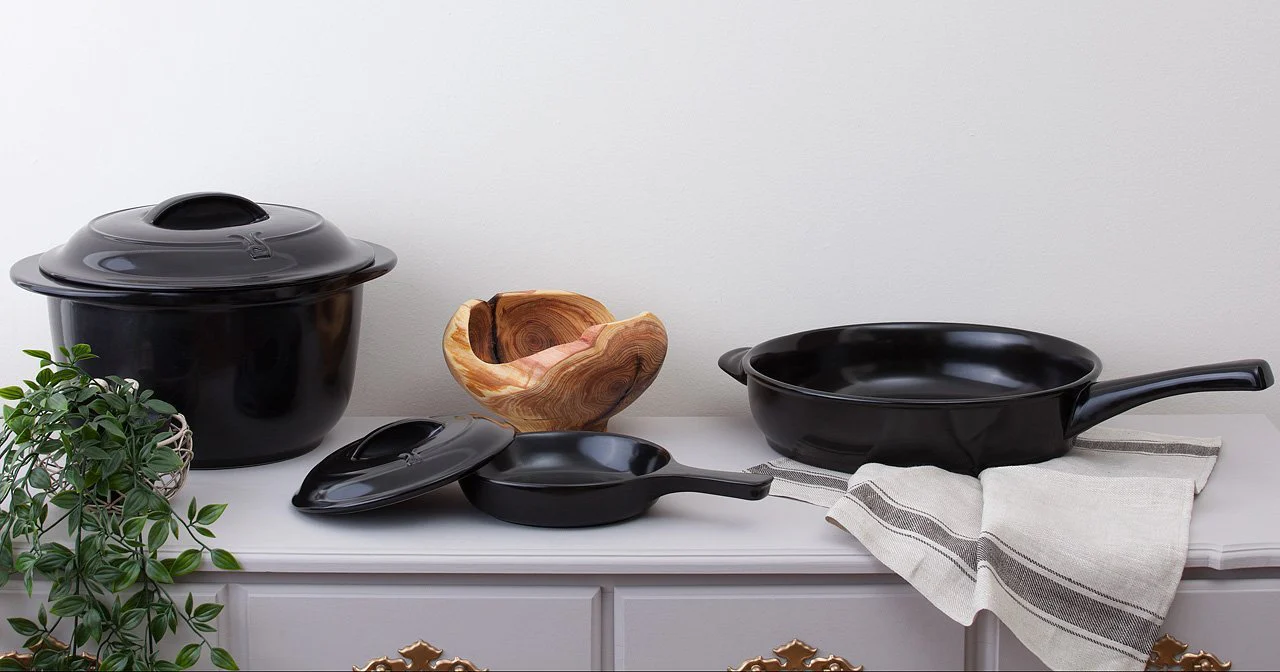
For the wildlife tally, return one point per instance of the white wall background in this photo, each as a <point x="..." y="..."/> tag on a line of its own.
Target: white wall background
<point x="1108" y="172"/>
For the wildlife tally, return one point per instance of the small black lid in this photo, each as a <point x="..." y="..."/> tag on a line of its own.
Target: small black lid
<point x="401" y="460"/>
<point x="205" y="241"/>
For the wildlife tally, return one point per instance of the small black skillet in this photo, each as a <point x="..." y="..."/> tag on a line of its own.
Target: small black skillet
<point x="546" y="479"/>
<point x="578" y="479"/>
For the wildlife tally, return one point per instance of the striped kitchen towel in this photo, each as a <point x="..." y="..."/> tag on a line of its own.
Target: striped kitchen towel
<point x="1079" y="556"/>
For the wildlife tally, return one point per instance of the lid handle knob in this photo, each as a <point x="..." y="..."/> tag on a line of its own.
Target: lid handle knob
<point x="204" y="210"/>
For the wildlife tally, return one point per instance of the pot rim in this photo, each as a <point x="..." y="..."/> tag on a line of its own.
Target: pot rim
<point x="26" y="273"/>
<point x="761" y="379"/>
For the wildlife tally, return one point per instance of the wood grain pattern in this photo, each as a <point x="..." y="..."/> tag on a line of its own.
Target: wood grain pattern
<point x="552" y="360"/>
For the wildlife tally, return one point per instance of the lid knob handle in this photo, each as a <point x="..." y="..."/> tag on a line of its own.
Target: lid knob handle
<point x="204" y="210"/>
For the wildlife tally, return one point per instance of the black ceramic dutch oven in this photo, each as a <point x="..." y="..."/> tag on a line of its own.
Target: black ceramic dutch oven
<point x="245" y="316"/>
<point x="962" y="397"/>
<point x="544" y="479"/>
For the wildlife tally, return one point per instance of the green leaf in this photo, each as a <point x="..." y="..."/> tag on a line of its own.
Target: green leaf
<point x="166" y="666"/>
<point x="132" y="618"/>
<point x="23" y="626"/>
<point x="38" y="354"/>
<point x="190" y="603"/>
<point x="11" y="665"/>
<point x="157" y="572"/>
<point x="222" y="659"/>
<point x="188" y="656"/>
<point x="135" y="503"/>
<point x="39" y="478"/>
<point x="210" y="514"/>
<point x="224" y="560"/>
<point x="58" y="402"/>
<point x="158" y="535"/>
<point x="115" y="460"/>
<point x="191" y="509"/>
<point x="188" y="561"/>
<point x="157" y="627"/>
<point x="207" y="612"/>
<point x="24" y="562"/>
<point x="93" y="621"/>
<point x="133" y="527"/>
<point x="164" y="461"/>
<point x="65" y="500"/>
<point x="65" y="374"/>
<point x="161" y="407"/>
<point x="116" y="661"/>
<point x="49" y="563"/>
<point x="71" y="605"/>
<point x="129" y="572"/>
<point x="205" y="532"/>
<point x="81" y="634"/>
<point x="79" y="350"/>
<point x="115" y="401"/>
<point x="112" y="426"/>
<point x="47" y="659"/>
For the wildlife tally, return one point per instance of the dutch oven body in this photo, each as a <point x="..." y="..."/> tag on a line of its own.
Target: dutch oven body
<point x="961" y="397"/>
<point x="261" y="365"/>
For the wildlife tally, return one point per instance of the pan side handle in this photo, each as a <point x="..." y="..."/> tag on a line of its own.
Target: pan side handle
<point x="731" y="363"/>
<point x="677" y="477"/>
<point x="1106" y="399"/>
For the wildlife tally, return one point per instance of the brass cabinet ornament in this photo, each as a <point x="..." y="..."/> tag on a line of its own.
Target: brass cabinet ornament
<point x="794" y="656"/>
<point x="419" y="657"/>
<point x="25" y="660"/>
<point x="1170" y="654"/>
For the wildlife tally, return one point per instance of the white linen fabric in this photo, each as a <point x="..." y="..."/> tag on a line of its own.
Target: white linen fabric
<point x="1079" y="556"/>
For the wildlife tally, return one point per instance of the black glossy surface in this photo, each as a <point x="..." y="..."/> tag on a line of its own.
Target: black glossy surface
<point x="205" y="241"/>
<point x="581" y="479"/>
<point x="399" y="461"/>
<point x="257" y="349"/>
<point x="960" y="397"/>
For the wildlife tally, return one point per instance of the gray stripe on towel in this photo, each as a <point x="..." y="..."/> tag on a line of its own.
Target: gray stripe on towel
<point x="1061" y="601"/>
<point x="801" y="477"/>
<point x="1187" y="449"/>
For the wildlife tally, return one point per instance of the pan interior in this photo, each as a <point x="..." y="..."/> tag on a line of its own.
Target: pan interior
<point x="915" y="362"/>
<point x="573" y="458"/>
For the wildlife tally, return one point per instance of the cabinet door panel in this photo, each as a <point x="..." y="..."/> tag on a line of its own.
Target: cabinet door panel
<point x="1234" y="619"/>
<point x="882" y="627"/>
<point x="14" y="602"/>
<point x="330" y="627"/>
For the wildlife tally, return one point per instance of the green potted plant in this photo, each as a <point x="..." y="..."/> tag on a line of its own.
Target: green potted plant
<point x="87" y="467"/>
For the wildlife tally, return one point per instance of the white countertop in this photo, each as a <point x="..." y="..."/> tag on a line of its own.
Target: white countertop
<point x="1236" y="523"/>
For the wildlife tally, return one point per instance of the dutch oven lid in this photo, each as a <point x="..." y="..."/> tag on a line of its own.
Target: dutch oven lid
<point x="400" y="461"/>
<point x="205" y="241"/>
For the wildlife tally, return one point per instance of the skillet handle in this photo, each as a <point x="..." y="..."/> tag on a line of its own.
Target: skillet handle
<point x="1103" y="400"/>
<point x="676" y="477"/>
<point x="731" y="363"/>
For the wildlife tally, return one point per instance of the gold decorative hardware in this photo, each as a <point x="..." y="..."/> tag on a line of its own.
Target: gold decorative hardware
<point x="419" y="657"/>
<point x="792" y="657"/>
<point x="1170" y="654"/>
<point x="26" y="659"/>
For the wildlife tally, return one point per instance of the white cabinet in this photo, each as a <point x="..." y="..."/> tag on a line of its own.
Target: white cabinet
<point x="881" y="627"/>
<point x="699" y="582"/>
<point x="1234" y="619"/>
<point x="319" y="626"/>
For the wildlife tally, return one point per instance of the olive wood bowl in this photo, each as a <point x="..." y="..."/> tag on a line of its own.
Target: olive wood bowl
<point x="549" y="360"/>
